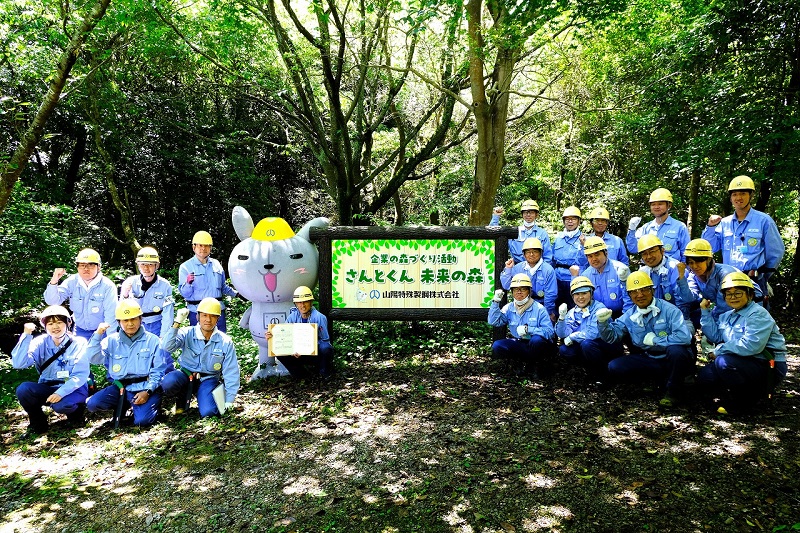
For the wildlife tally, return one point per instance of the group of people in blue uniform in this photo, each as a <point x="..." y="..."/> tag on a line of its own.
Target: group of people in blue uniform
<point x="629" y="327"/>
<point x="133" y="333"/>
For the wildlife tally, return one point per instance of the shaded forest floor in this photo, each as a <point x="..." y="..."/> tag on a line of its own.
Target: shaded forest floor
<point x="445" y="440"/>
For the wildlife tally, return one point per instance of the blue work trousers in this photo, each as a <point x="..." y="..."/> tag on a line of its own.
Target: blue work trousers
<point x="107" y="398"/>
<point x="32" y="396"/>
<point x="740" y="381"/>
<point x="176" y="383"/>
<point x="669" y="371"/>
<point x="592" y="354"/>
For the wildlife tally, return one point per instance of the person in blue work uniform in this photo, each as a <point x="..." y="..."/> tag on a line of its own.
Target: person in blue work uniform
<point x="749" y="239"/>
<point x="607" y="275"/>
<point x="202" y="276"/>
<point x="544" y="288"/>
<point x="577" y="327"/>
<point x="92" y="296"/>
<point x="529" y="324"/>
<point x="749" y="357"/>
<point x="304" y="312"/>
<point x="59" y="357"/>
<point x="705" y="278"/>
<point x="667" y="274"/>
<point x="132" y="360"/>
<point x="673" y="233"/>
<point x="529" y="228"/>
<point x="660" y="340"/>
<point x="152" y="292"/>
<point x="599" y="218"/>
<point x="568" y="256"/>
<point x="208" y="358"/>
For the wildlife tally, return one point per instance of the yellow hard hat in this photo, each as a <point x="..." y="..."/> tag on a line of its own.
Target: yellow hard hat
<point x="736" y="279"/>
<point x="529" y="205"/>
<point x="272" y="229"/>
<point x="698" y="248"/>
<point x="127" y="309"/>
<point x="742" y="183"/>
<point x="202" y="237"/>
<point x="532" y="243"/>
<point x="661" y="195"/>
<point x="648" y="241"/>
<point x="520" y="280"/>
<point x="580" y="284"/>
<point x="209" y="306"/>
<point x="638" y="280"/>
<point x="147" y="255"/>
<point x="55" y="310"/>
<point x="87" y="255"/>
<point x="599" y="212"/>
<point x="571" y="211"/>
<point x="302" y="294"/>
<point x="594" y="244"/>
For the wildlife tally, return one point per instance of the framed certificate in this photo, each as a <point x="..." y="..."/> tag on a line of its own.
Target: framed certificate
<point x="289" y="339"/>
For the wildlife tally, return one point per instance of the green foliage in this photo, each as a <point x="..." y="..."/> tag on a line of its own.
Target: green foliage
<point x="35" y="238"/>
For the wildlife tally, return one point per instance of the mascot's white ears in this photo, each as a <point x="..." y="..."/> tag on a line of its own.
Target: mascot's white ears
<point x="242" y="223"/>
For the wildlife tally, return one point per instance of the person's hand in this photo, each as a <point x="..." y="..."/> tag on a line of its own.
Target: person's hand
<point x="127" y="285"/>
<point x="553" y="318"/>
<point x="623" y="272"/>
<point x="101" y="328"/>
<point x="29" y="328"/>
<point x="267" y="334"/>
<point x="181" y="315"/>
<point x="603" y="315"/>
<point x="228" y="406"/>
<point x="681" y="269"/>
<point x="522" y="330"/>
<point x="634" y="223"/>
<point x="649" y="339"/>
<point x="510" y="263"/>
<point x="562" y="311"/>
<point x="190" y="278"/>
<point x="58" y="273"/>
<point x="575" y="270"/>
<point x="498" y="210"/>
<point x="498" y="295"/>
<point x="296" y="355"/>
<point x="582" y="238"/>
<point x="713" y="220"/>
<point x="141" y="397"/>
<point x="706" y="304"/>
<point x="568" y="341"/>
<point x="53" y="398"/>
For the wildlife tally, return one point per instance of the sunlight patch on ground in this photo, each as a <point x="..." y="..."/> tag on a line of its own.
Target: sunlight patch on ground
<point x="728" y="447"/>
<point x="454" y="517"/>
<point x="539" y="481"/>
<point x="547" y="518"/>
<point x="628" y="496"/>
<point x="32" y="518"/>
<point x="303" y="485"/>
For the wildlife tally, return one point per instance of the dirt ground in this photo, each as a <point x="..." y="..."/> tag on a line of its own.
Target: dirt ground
<point x="442" y="441"/>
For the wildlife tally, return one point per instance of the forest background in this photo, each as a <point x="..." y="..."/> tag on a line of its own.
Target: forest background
<point x="129" y="123"/>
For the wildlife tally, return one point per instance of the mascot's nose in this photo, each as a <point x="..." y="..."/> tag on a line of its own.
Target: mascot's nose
<point x="269" y="266"/>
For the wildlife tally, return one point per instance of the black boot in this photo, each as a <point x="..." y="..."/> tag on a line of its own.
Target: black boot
<point x="77" y="419"/>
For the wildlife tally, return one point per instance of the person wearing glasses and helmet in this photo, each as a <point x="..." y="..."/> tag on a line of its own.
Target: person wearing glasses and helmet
<point x="529" y="228"/>
<point x="577" y="327"/>
<point x="748" y="239"/>
<point x="202" y="276"/>
<point x="152" y="292"/>
<point x="599" y="219"/>
<point x="749" y="357"/>
<point x="705" y="278"/>
<point x="661" y="340"/>
<point x="304" y="312"/>
<point x="208" y="358"/>
<point x="530" y="326"/>
<point x="673" y="233"/>
<point x="544" y="288"/>
<point x="92" y="296"/>
<point x="133" y="365"/>
<point x="63" y="368"/>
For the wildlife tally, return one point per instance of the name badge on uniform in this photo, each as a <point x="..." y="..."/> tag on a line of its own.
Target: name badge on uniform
<point x="540" y="294"/>
<point x="668" y="247"/>
<point x="613" y="295"/>
<point x="95" y="309"/>
<point x="156" y="309"/>
<point x="217" y="366"/>
<point x="752" y="241"/>
<point x="668" y="296"/>
<point x="116" y="368"/>
<point x="62" y="374"/>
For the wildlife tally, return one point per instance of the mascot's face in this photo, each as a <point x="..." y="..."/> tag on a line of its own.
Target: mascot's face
<point x="269" y="265"/>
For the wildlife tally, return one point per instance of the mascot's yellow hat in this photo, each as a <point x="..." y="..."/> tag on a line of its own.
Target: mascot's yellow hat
<point x="272" y="229"/>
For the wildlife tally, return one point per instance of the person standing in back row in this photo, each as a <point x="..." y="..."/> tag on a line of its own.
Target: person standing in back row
<point x="202" y="276"/>
<point x="673" y="233"/>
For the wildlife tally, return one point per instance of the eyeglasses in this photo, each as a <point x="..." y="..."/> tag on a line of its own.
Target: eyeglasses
<point x="636" y="292"/>
<point x="86" y="265"/>
<point x="734" y="294"/>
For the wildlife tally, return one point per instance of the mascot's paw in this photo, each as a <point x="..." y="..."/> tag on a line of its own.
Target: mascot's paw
<point x="273" y="368"/>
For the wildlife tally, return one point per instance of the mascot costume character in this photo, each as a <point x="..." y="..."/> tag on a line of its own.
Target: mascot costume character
<point x="266" y="268"/>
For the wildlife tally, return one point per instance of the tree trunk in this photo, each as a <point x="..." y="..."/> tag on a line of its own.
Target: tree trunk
<point x="13" y="169"/>
<point x="694" y="194"/>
